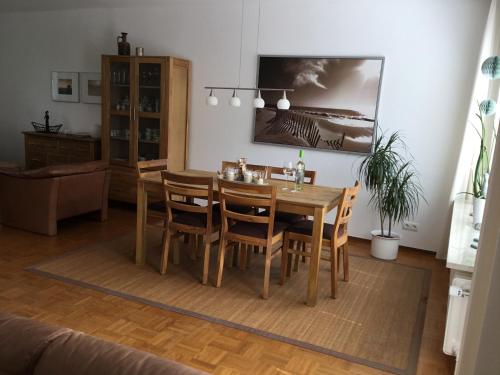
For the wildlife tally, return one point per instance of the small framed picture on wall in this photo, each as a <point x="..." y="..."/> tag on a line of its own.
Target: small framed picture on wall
<point x="65" y="87"/>
<point x="90" y="84"/>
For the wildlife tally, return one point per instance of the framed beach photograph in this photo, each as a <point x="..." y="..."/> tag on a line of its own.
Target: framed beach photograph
<point x="90" y="84"/>
<point x="65" y="87"/>
<point x="334" y="104"/>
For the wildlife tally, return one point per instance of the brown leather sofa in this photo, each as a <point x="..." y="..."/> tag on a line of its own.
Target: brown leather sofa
<point x="29" y="347"/>
<point x="36" y="199"/>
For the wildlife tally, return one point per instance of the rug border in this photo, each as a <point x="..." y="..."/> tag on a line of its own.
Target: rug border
<point x="414" y="346"/>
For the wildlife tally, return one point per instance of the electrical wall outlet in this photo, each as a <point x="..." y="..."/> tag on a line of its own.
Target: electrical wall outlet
<point x="410" y="226"/>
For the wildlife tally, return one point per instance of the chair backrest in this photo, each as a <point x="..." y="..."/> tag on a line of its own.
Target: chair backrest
<point x="247" y="195"/>
<point x="181" y="190"/>
<point x="274" y="172"/>
<point x="344" y="209"/>
<point x="151" y="166"/>
<point x="252" y="167"/>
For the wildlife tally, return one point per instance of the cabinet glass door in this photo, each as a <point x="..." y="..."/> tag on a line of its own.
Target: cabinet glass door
<point x="149" y="98"/>
<point x="120" y="110"/>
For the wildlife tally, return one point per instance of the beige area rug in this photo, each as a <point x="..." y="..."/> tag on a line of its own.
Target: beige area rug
<point x="377" y="319"/>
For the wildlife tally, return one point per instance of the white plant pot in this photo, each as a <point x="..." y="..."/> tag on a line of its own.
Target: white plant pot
<point x="385" y="247"/>
<point x="477" y="211"/>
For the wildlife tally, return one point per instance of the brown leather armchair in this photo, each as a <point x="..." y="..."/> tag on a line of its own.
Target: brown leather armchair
<point x="36" y="199"/>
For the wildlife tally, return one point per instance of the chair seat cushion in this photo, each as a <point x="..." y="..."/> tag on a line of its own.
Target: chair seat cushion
<point x="239" y="209"/>
<point x="284" y="217"/>
<point x="306" y="227"/>
<point x="198" y="219"/>
<point x="160" y="207"/>
<point x="256" y="230"/>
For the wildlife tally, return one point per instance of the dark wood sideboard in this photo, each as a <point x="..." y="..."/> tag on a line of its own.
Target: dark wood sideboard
<point x="42" y="149"/>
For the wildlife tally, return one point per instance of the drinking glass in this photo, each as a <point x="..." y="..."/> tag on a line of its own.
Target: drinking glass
<point x="287" y="170"/>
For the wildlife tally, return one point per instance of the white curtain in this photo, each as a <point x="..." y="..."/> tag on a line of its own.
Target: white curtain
<point x="484" y="88"/>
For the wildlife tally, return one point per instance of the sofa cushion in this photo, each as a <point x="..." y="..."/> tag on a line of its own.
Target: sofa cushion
<point x="60" y="170"/>
<point x="256" y="230"/>
<point x="22" y="341"/>
<point x="80" y="354"/>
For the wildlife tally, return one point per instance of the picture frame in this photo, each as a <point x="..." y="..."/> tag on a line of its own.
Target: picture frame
<point x="90" y="86"/>
<point x="65" y="87"/>
<point x="334" y="105"/>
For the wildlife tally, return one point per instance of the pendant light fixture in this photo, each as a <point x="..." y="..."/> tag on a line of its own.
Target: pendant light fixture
<point x="283" y="103"/>
<point x="235" y="101"/>
<point x="258" y="102"/>
<point x="212" y="99"/>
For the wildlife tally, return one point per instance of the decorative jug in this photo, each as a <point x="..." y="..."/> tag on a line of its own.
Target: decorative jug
<point x="123" y="45"/>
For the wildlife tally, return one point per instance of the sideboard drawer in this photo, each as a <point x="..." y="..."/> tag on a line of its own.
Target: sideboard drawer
<point x="44" y="149"/>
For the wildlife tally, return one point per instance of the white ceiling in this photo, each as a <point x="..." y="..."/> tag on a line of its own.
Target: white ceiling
<point x="41" y="5"/>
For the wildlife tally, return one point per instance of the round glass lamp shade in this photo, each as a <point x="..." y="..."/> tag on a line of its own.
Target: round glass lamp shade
<point x="283" y="103"/>
<point x="212" y="99"/>
<point x="258" y="102"/>
<point x="491" y="67"/>
<point x="235" y="101"/>
<point x="488" y="107"/>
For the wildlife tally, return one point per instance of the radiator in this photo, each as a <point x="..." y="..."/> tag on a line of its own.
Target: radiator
<point x="455" y="320"/>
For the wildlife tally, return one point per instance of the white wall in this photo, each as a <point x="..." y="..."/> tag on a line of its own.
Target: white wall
<point x="431" y="49"/>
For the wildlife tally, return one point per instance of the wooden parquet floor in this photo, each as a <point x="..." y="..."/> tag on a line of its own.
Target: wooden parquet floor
<point x="198" y="343"/>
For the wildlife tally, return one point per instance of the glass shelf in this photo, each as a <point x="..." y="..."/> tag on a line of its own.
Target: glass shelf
<point x="149" y="87"/>
<point x="116" y="112"/>
<point x="123" y="139"/>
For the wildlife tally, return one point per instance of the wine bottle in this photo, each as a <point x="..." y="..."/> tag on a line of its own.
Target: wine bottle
<point x="299" y="172"/>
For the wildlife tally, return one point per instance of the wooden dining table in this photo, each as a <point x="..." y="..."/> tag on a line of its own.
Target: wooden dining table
<point x="313" y="200"/>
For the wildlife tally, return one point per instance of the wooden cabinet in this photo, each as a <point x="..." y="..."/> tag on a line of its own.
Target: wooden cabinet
<point x="42" y="149"/>
<point x="145" y="107"/>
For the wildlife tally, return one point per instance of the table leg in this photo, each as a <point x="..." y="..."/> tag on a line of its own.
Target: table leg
<point x="142" y="214"/>
<point x="317" y="239"/>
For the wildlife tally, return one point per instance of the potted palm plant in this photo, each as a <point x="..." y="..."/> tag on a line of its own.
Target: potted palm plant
<point x="395" y="191"/>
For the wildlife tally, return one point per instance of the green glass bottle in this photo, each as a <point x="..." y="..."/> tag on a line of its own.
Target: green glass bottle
<point x="299" y="172"/>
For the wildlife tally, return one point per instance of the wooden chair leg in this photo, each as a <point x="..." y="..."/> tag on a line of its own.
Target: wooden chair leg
<point x="345" y="258"/>
<point x="206" y="261"/>
<point x="164" y="253"/>
<point x="303" y="249"/>
<point x="249" y="256"/>
<point x="267" y="273"/>
<point x="296" y="247"/>
<point x="243" y="257"/>
<point x="289" y="265"/>
<point x="334" y="265"/>
<point x="231" y="260"/>
<point x="284" y="259"/>
<point x="200" y="246"/>
<point x="339" y="249"/>
<point x="193" y="243"/>
<point x="176" y="249"/>
<point x="220" y="262"/>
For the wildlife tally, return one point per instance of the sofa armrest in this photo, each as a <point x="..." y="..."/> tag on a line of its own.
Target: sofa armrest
<point x="22" y="342"/>
<point x="29" y="204"/>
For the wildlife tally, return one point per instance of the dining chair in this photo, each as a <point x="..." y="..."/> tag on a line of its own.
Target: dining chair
<point x="335" y="239"/>
<point x="184" y="217"/>
<point x="276" y="173"/>
<point x="156" y="209"/>
<point x="243" y="209"/>
<point x="249" y="228"/>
